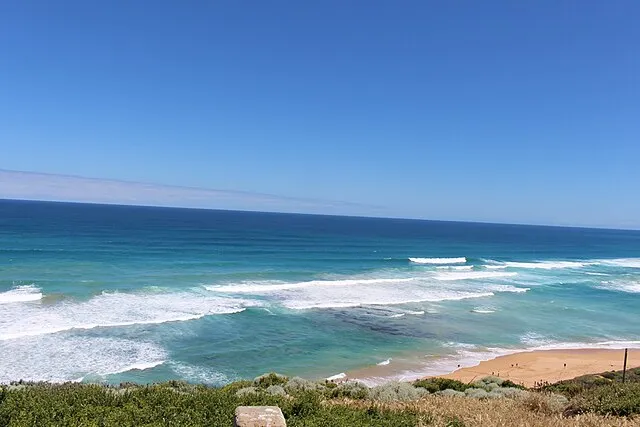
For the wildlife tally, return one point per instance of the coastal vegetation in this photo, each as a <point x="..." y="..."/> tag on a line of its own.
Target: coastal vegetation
<point x="598" y="400"/>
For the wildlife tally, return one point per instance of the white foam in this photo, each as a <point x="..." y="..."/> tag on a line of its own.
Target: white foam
<point x="456" y="267"/>
<point x="270" y="287"/>
<point x="142" y="366"/>
<point x="373" y="291"/>
<point x="549" y="344"/>
<point x="534" y="340"/>
<point x="495" y="267"/>
<point x="399" y="312"/>
<point x="380" y="288"/>
<point x="621" y="262"/>
<point x="460" y="260"/>
<point x="595" y="274"/>
<point x="59" y="358"/>
<point x="546" y="265"/>
<point x="112" y="310"/>
<point x="384" y="362"/>
<point x="483" y="310"/>
<point x="473" y="275"/>
<point x="23" y="293"/>
<point x="199" y="374"/>
<point x="375" y="300"/>
<point x="508" y="288"/>
<point x="623" y="285"/>
<point x="339" y="376"/>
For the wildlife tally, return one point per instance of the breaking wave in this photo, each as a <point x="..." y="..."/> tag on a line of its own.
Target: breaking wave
<point x="621" y="262"/>
<point x="371" y="291"/>
<point x="483" y="310"/>
<point x="339" y="376"/>
<point x="59" y="358"/>
<point x="629" y="286"/>
<point x="460" y="260"/>
<point x="23" y="293"/>
<point x="545" y="265"/>
<point x="262" y="287"/>
<point x="473" y="275"/>
<point x="112" y="310"/>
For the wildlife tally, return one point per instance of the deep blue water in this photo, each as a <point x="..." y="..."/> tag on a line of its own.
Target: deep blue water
<point x="113" y="293"/>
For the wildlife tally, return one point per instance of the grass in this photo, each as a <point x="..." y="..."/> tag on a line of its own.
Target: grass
<point x="593" y="400"/>
<point x="445" y="411"/>
<point x="601" y="393"/>
<point x="177" y="404"/>
<point x="573" y="387"/>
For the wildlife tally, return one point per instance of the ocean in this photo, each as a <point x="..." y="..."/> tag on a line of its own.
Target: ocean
<point x="99" y="293"/>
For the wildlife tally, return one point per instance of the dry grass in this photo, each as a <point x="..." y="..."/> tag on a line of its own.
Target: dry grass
<point x="534" y="411"/>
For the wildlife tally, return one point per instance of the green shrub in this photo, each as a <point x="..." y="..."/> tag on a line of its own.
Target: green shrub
<point x="576" y="386"/>
<point x="307" y="404"/>
<point x="433" y="385"/>
<point x="298" y="385"/>
<point x="544" y="402"/>
<point x="175" y="404"/>
<point x="396" y="392"/>
<point x="611" y="399"/>
<point x="491" y="379"/>
<point x="508" y="392"/>
<point x="271" y="378"/>
<point x="344" y="416"/>
<point x="511" y="384"/>
<point x="276" y="390"/>
<point x="350" y="389"/>
<point x="450" y="392"/>
<point x="247" y="391"/>
<point x="478" y="393"/>
<point x="568" y="389"/>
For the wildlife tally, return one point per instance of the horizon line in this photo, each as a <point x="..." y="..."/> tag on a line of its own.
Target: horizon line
<point x="516" y="224"/>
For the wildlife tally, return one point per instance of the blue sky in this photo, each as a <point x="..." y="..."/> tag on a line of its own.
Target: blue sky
<point x="524" y="112"/>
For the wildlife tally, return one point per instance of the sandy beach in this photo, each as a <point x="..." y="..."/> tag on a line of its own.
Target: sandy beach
<point x="530" y="367"/>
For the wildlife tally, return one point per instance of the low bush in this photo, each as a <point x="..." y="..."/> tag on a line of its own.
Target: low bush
<point x="433" y="385"/>
<point x="507" y="392"/>
<point x="477" y="393"/>
<point x="247" y="391"/>
<point x="578" y="385"/>
<point x="483" y="382"/>
<point x="396" y="392"/>
<point x="298" y="385"/>
<point x="544" y="402"/>
<point x="351" y="390"/>
<point x="450" y="392"/>
<point x="610" y="399"/>
<point x="276" y="390"/>
<point x="511" y="384"/>
<point x="269" y="379"/>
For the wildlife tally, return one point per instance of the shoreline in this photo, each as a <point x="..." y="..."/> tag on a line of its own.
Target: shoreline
<point x="526" y="367"/>
<point x="540" y="366"/>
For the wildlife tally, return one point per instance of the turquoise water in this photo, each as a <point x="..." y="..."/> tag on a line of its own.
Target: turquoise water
<point x="114" y="293"/>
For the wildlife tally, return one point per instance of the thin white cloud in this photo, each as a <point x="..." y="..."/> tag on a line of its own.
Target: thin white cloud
<point x="40" y="186"/>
